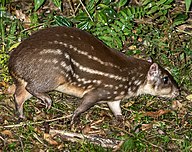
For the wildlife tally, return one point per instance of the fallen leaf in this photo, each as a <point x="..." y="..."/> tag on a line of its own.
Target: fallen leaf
<point x="134" y="31"/>
<point x="156" y="114"/>
<point x="49" y="139"/>
<point x="37" y="130"/>
<point x="3" y="84"/>
<point x="128" y="104"/>
<point x="98" y="121"/>
<point x="24" y="18"/>
<point x="189" y="97"/>
<point x="10" y="90"/>
<point x="140" y="39"/>
<point x="132" y="47"/>
<point x="8" y="133"/>
<point x="61" y="147"/>
<point x="161" y="132"/>
<point x="146" y="126"/>
<point x="176" y="105"/>
<point x="86" y="129"/>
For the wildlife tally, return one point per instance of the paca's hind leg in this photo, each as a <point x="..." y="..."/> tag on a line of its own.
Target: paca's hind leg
<point x="21" y="95"/>
<point x="41" y="95"/>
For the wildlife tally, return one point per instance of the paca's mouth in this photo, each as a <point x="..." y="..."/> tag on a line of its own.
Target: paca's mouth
<point x="175" y="94"/>
<point x="172" y="96"/>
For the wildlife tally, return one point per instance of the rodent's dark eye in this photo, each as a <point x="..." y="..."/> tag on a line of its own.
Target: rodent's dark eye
<point x="165" y="80"/>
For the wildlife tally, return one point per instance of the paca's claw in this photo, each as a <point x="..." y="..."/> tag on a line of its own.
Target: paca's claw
<point x="21" y="119"/>
<point x="75" y="120"/>
<point x="120" y="118"/>
<point x="119" y="121"/>
<point x="48" y="105"/>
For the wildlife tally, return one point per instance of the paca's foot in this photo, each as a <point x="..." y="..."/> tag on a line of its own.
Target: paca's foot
<point x="119" y="121"/>
<point x="21" y="119"/>
<point x="75" y="120"/>
<point x="48" y="104"/>
<point x="120" y="118"/>
<point x="75" y="124"/>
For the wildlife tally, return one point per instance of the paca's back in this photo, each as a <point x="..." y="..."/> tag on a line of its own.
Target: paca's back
<point x="74" y="62"/>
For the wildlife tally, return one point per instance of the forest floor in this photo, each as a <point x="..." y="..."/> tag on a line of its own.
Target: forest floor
<point x="151" y="124"/>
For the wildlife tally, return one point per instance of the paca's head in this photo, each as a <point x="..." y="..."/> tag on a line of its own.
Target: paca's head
<point x="160" y="83"/>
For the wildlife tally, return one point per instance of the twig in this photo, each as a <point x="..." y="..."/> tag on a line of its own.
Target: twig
<point x="76" y="9"/>
<point x="86" y="10"/>
<point x="74" y="137"/>
<point x="71" y="7"/>
<point x="182" y="31"/>
<point x="32" y="27"/>
<point x="2" y="139"/>
<point x="35" y="136"/>
<point x="33" y="123"/>
<point x="21" y="144"/>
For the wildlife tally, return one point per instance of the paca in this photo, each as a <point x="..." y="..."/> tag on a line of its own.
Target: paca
<point x="76" y="63"/>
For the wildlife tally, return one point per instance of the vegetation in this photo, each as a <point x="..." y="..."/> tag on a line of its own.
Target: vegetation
<point x="157" y="29"/>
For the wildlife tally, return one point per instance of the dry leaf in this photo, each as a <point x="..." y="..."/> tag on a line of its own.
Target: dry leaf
<point x="132" y="47"/>
<point x="98" y="121"/>
<point x="134" y="31"/>
<point x="140" y="39"/>
<point x="37" y="130"/>
<point x="157" y="113"/>
<point x="86" y="129"/>
<point x="176" y="105"/>
<point x="61" y="147"/>
<point x="21" y="16"/>
<point x="8" y="133"/>
<point x="3" y="84"/>
<point x="10" y="90"/>
<point x="49" y="139"/>
<point x="128" y="104"/>
<point x="189" y="97"/>
<point x="146" y="126"/>
<point x="161" y="132"/>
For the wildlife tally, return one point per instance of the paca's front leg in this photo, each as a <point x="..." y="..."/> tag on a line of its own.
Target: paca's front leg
<point x="89" y="99"/>
<point x="116" y="109"/>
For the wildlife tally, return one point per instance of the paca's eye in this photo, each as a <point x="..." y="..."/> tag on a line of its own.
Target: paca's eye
<point x="165" y="80"/>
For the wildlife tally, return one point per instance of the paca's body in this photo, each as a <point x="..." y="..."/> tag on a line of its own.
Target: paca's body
<point x="76" y="63"/>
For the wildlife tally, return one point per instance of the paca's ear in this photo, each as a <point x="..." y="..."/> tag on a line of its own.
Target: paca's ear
<point x="151" y="59"/>
<point x="153" y="72"/>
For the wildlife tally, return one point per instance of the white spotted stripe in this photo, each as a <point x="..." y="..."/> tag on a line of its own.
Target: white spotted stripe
<point x="66" y="67"/>
<point x="108" y="86"/>
<point x="52" y="51"/>
<point x="92" y="71"/>
<point x="86" y="54"/>
<point x="85" y="81"/>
